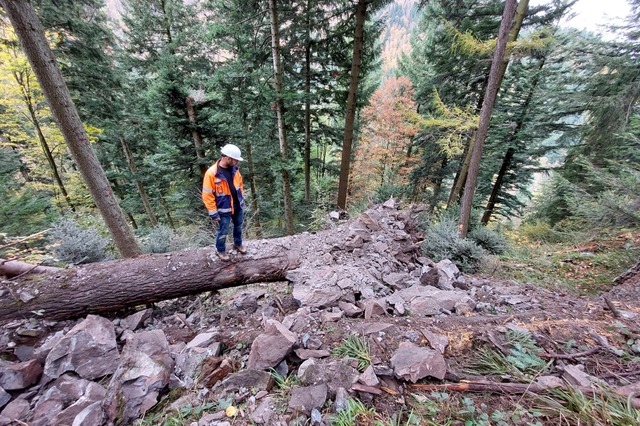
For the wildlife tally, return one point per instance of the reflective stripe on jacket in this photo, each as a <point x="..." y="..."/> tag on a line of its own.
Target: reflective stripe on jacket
<point x="216" y="193"/>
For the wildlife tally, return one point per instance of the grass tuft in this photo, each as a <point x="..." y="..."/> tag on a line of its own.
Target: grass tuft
<point x="605" y="407"/>
<point x="355" y="347"/>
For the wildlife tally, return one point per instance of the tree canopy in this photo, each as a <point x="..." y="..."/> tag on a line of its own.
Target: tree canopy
<point x="163" y="87"/>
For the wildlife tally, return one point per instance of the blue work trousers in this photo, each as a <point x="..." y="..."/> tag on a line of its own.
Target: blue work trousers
<point x="223" y="229"/>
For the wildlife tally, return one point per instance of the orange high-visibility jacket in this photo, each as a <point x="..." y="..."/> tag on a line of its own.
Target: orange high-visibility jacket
<point x="216" y="193"/>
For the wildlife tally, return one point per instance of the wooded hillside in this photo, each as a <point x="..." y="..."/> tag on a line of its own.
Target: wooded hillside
<point x="518" y="135"/>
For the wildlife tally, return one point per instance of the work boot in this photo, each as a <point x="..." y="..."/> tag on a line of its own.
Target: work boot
<point x="222" y="255"/>
<point x="241" y="249"/>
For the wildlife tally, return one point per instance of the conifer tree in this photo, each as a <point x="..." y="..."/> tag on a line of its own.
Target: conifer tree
<point x="31" y="35"/>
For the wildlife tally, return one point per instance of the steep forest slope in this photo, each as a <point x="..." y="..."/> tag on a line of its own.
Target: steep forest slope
<point x="363" y="318"/>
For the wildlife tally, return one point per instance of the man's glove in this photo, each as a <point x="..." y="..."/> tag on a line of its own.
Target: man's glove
<point x="215" y="218"/>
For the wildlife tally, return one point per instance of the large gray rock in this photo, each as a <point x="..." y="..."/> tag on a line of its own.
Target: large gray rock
<point x="317" y="297"/>
<point x="271" y="347"/>
<point x="202" y="340"/>
<point x="323" y="287"/>
<point x="349" y="309"/>
<point x="312" y="353"/>
<point x="438" y="342"/>
<point x="305" y="399"/>
<point x="369" y="377"/>
<point x="90" y="416"/>
<point x="88" y="349"/>
<point x="265" y="412"/>
<point x="51" y="341"/>
<point x="427" y="300"/>
<point x="134" y="321"/>
<point x="247" y="379"/>
<point x="4" y="398"/>
<point x="300" y="320"/>
<point x="335" y="374"/>
<point x="21" y="375"/>
<point x="429" y="275"/>
<point x="371" y="219"/>
<point x="16" y="410"/>
<point x="397" y="280"/>
<point x="411" y="362"/>
<point x="448" y="274"/>
<point x="64" y="399"/>
<point x="144" y="371"/>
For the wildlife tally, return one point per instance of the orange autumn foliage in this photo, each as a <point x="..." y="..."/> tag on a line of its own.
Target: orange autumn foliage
<point x="383" y="154"/>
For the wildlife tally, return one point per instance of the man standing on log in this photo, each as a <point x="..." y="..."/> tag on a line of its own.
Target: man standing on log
<point x="222" y="194"/>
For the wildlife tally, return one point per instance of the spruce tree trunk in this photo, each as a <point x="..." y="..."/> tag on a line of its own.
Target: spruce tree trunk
<point x="28" y="100"/>
<point x="512" y="138"/>
<point x="461" y="178"/>
<point x="437" y="187"/>
<point x="253" y="184"/>
<point x="141" y="191"/>
<point x="307" y="107"/>
<point x="349" y="122"/>
<point x="279" y="106"/>
<point x="497" y="185"/>
<point x="195" y="134"/>
<point x="167" y="212"/>
<point x="485" y="117"/>
<point x="31" y="35"/>
<point x="49" y="155"/>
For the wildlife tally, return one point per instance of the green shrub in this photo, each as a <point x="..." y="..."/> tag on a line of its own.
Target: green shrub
<point x="162" y="239"/>
<point x="76" y="244"/>
<point x="539" y="231"/>
<point x="388" y="190"/>
<point x="492" y="241"/>
<point x="443" y="242"/>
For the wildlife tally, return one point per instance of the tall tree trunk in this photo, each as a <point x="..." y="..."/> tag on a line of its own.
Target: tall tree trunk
<point x="253" y="184"/>
<point x="437" y="187"/>
<point x="197" y="137"/>
<point x="24" y="170"/>
<point x="167" y="211"/>
<point x="307" y="106"/>
<point x="50" y="159"/>
<point x="461" y="177"/>
<point x="117" y="190"/>
<point x="31" y="35"/>
<point x="26" y="97"/>
<point x="512" y="138"/>
<point x="496" y="187"/>
<point x="284" y="149"/>
<point x="141" y="191"/>
<point x="356" y="62"/>
<point x="324" y="160"/>
<point x="485" y="116"/>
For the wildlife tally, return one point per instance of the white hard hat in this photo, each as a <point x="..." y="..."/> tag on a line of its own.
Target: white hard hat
<point x="232" y="151"/>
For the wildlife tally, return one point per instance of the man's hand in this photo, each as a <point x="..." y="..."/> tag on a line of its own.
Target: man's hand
<point x="215" y="219"/>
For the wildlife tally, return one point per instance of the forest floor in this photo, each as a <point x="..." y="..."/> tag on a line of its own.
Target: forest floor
<point x="548" y="311"/>
<point x="563" y="296"/>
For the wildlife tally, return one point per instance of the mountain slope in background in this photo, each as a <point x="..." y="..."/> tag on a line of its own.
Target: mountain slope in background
<point x="401" y="18"/>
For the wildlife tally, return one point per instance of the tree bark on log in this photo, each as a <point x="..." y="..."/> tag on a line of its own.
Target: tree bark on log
<point x="15" y="268"/>
<point x="109" y="286"/>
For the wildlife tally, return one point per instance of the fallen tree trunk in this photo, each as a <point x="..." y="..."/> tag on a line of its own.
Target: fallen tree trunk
<point x="15" y="268"/>
<point x="109" y="286"/>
